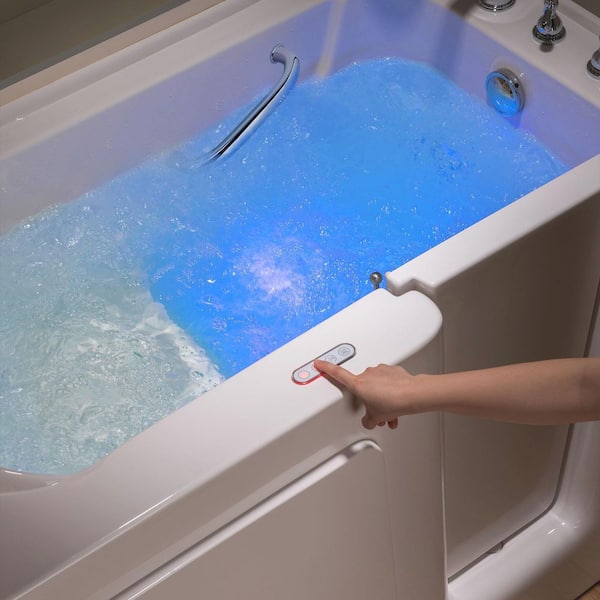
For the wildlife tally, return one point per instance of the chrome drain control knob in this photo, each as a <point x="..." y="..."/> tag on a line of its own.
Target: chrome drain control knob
<point x="376" y="278"/>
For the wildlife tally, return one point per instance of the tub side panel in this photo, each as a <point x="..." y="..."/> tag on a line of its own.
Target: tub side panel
<point x="558" y="556"/>
<point x="539" y="291"/>
<point x="529" y="299"/>
<point x="202" y="467"/>
<point x="309" y="540"/>
<point x="532" y="301"/>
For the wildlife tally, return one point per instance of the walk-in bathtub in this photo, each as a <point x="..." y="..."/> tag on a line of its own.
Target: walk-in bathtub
<point x="262" y="488"/>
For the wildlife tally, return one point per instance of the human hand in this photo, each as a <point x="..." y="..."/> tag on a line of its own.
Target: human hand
<point x="548" y="392"/>
<point x="384" y="391"/>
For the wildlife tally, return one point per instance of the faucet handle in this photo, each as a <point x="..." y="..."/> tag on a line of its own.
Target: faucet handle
<point x="593" y="65"/>
<point x="549" y="28"/>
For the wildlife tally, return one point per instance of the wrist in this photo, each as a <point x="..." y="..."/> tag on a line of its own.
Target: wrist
<point x="423" y="396"/>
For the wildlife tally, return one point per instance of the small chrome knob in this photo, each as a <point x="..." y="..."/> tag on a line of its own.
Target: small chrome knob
<point x="376" y="278"/>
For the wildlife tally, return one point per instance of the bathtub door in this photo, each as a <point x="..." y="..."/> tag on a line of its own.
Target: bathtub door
<point x="519" y="286"/>
<point x="326" y="536"/>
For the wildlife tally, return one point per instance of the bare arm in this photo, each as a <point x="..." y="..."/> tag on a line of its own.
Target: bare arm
<point x="545" y="392"/>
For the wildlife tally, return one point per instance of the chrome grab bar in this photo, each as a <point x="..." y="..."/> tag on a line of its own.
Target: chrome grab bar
<point x="291" y="69"/>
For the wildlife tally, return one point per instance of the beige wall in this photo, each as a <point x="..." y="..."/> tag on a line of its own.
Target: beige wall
<point x="9" y="9"/>
<point x="592" y="5"/>
<point x="35" y="34"/>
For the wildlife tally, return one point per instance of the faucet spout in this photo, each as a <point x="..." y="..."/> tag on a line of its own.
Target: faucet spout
<point x="549" y="28"/>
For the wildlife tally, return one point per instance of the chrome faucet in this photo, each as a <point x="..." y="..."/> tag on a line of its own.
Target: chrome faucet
<point x="593" y="65"/>
<point x="495" y="5"/>
<point x="549" y="28"/>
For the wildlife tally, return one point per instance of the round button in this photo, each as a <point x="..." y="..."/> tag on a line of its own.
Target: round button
<point x="344" y="350"/>
<point x="330" y="358"/>
<point x="303" y="374"/>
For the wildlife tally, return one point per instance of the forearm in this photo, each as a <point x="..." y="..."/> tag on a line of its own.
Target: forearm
<point x="547" y="392"/>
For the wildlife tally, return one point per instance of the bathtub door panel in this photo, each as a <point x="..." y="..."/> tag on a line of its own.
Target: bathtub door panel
<point x="498" y="478"/>
<point x="326" y="536"/>
<point x="519" y="286"/>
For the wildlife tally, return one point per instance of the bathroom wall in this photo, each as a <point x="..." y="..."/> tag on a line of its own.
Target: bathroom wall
<point x="10" y="9"/>
<point x="592" y="5"/>
<point x="35" y="34"/>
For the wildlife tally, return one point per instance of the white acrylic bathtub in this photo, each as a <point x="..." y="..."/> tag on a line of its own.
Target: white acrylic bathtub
<point x="265" y="489"/>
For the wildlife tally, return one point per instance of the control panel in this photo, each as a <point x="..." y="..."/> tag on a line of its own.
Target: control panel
<point x="337" y="355"/>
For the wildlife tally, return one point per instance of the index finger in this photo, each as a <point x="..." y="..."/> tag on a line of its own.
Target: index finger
<point x="336" y="372"/>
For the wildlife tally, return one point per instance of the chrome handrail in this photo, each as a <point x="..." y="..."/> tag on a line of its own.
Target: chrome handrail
<point x="291" y="70"/>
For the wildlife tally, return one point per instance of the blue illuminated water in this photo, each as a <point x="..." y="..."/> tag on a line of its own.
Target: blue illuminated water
<point x="357" y="173"/>
<point x="120" y="307"/>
